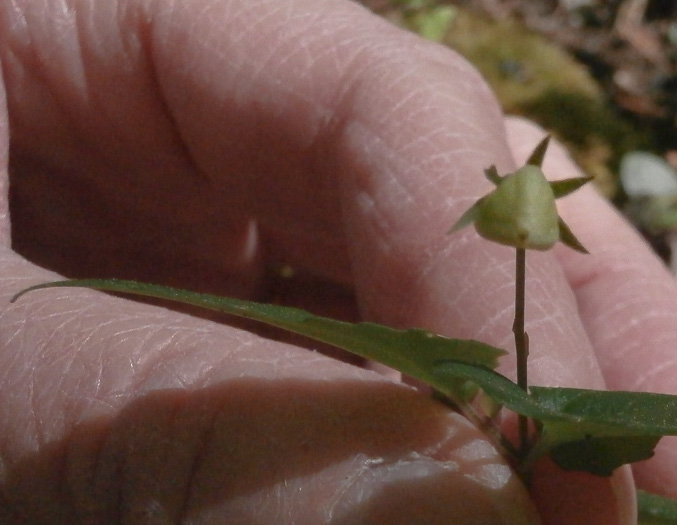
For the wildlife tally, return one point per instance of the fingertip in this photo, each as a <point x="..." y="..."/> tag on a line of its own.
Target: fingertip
<point x="563" y="498"/>
<point x="423" y="492"/>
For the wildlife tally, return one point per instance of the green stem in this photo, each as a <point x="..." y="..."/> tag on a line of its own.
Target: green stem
<point x="521" y="341"/>
<point x="489" y="428"/>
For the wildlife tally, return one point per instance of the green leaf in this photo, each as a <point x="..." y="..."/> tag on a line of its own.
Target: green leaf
<point x="497" y="386"/>
<point x="619" y="412"/>
<point x="656" y="510"/>
<point x="413" y="352"/>
<point x="610" y="429"/>
<point x="568" y="238"/>
<point x="467" y="218"/>
<point x="536" y="157"/>
<point x="491" y="173"/>
<point x="601" y="456"/>
<point x="591" y="430"/>
<point x="562" y="188"/>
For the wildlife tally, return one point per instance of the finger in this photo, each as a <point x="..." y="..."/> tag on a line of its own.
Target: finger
<point x="628" y="302"/>
<point x="212" y="165"/>
<point x="96" y="155"/>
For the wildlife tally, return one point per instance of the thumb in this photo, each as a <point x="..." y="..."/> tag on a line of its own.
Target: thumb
<point x="113" y="411"/>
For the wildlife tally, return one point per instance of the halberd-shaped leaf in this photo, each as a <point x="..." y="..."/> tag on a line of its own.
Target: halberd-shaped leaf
<point x="601" y="419"/>
<point x="602" y="455"/>
<point x="413" y="352"/>
<point x="591" y="430"/>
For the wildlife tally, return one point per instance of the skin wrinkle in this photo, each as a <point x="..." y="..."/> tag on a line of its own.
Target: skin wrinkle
<point x="476" y="452"/>
<point x="69" y="51"/>
<point x="435" y="163"/>
<point x="199" y="457"/>
<point x="644" y="380"/>
<point x="144" y="45"/>
<point x="312" y="60"/>
<point x="420" y="469"/>
<point x="60" y="71"/>
<point x="616" y="309"/>
<point x="142" y="363"/>
<point x="541" y="312"/>
<point x="438" y="450"/>
<point x="5" y="226"/>
<point x="607" y="260"/>
<point x="402" y="105"/>
<point x="108" y="336"/>
<point x="350" y="482"/>
<point x="298" y="490"/>
<point x="18" y="19"/>
<point x="621" y="334"/>
<point x="38" y="431"/>
<point x="502" y="294"/>
<point x="662" y="370"/>
<point x="465" y="287"/>
<point x="271" y="66"/>
<point x="41" y="431"/>
<point x="500" y="318"/>
<point x="627" y="332"/>
<point x="239" y="344"/>
<point x="274" y="66"/>
<point x="50" y="58"/>
<point x="174" y="346"/>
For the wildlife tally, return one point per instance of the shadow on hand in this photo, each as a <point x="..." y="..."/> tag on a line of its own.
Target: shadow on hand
<point x="244" y="450"/>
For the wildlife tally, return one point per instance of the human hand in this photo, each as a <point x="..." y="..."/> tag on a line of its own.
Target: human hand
<point x="201" y="145"/>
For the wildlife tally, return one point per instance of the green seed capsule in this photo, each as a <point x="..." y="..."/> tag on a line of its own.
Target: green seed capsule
<point x="520" y="212"/>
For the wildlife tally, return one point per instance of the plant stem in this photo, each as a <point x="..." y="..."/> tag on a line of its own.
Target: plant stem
<point x="521" y="341"/>
<point x="489" y="428"/>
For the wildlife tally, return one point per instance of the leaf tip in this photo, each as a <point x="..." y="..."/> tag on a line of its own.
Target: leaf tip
<point x="491" y="173"/>
<point x="568" y="238"/>
<point x="536" y="157"/>
<point x="466" y="219"/>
